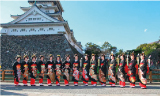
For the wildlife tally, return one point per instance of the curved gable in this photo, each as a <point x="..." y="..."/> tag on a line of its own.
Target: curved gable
<point x="34" y="12"/>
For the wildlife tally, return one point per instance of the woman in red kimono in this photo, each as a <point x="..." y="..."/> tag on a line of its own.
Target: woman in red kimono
<point x="143" y="70"/>
<point x="85" y="72"/>
<point x="93" y="71"/>
<point x="66" y="70"/>
<point x="102" y="70"/>
<point x="25" y="69"/>
<point x="112" y="71"/>
<point x="33" y="70"/>
<point x="50" y="68"/>
<point x="76" y="65"/>
<point x="132" y="70"/>
<point x="58" y="69"/>
<point x="17" y="70"/>
<point x="122" y="70"/>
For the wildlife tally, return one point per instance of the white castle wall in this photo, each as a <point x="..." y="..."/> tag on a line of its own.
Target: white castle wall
<point x="33" y="30"/>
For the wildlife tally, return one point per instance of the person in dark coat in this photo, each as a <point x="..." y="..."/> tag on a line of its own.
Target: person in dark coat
<point x="93" y="70"/>
<point x="132" y="70"/>
<point x="17" y="70"/>
<point x="66" y="70"/>
<point x="58" y="69"/>
<point x="102" y="70"/>
<point x="122" y="70"/>
<point x="41" y="69"/>
<point x="50" y="69"/>
<point x="112" y="71"/>
<point x="25" y="69"/>
<point x="76" y="66"/>
<point x="33" y="70"/>
<point x="85" y="72"/>
<point x="143" y="70"/>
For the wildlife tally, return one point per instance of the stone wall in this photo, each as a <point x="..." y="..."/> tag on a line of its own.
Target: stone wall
<point x="39" y="44"/>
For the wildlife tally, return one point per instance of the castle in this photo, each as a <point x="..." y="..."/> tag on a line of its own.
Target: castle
<point x="40" y="30"/>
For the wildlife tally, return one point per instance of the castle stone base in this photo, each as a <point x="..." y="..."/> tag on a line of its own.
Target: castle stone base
<point x="39" y="44"/>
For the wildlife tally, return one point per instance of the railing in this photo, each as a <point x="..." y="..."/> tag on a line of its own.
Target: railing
<point x="151" y="74"/>
<point x="5" y="73"/>
<point x="7" y="77"/>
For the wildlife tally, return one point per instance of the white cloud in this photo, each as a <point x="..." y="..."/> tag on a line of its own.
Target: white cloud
<point x="145" y="30"/>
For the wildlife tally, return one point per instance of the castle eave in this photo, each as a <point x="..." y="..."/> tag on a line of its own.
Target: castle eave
<point x="60" y="6"/>
<point x="15" y="16"/>
<point x="39" y="6"/>
<point x="34" y="24"/>
<point x="25" y="8"/>
<point x="53" y="14"/>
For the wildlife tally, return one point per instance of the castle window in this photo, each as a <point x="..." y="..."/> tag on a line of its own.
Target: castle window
<point x="14" y="30"/>
<point x="50" y="28"/>
<point x="38" y="18"/>
<point x="22" y="29"/>
<point x="41" y="29"/>
<point x="29" y="18"/>
<point x="32" y="29"/>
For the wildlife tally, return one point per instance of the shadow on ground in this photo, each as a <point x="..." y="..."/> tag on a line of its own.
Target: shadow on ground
<point x="11" y="93"/>
<point x="12" y="87"/>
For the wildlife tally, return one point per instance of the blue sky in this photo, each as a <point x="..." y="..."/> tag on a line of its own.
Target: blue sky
<point x="124" y="24"/>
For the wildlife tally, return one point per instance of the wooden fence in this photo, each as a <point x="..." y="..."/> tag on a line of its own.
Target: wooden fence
<point x="7" y="76"/>
<point x="151" y="74"/>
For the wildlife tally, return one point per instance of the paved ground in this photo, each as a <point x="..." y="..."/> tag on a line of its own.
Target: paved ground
<point x="10" y="89"/>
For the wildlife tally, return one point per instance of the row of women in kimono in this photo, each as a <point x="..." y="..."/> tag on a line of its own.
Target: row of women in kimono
<point x="89" y="70"/>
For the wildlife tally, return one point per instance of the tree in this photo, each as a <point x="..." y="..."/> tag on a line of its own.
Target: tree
<point x="148" y="48"/>
<point x="107" y="48"/>
<point x="152" y="49"/>
<point x="155" y="57"/>
<point x="106" y="45"/>
<point x="92" y="48"/>
<point x="119" y="52"/>
<point x="113" y="49"/>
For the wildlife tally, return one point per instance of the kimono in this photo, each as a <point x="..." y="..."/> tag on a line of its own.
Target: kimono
<point x="17" y="72"/>
<point x="76" y="66"/>
<point x="102" y="72"/>
<point x="122" y="70"/>
<point x="33" y="72"/>
<point x="85" y="72"/>
<point x="50" y="68"/>
<point x="143" y="70"/>
<point x="41" y="69"/>
<point x="66" y="72"/>
<point x="93" y="72"/>
<point x="58" y="71"/>
<point x="132" y="72"/>
<point x="25" y="72"/>
<point x="112" y="72"/>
